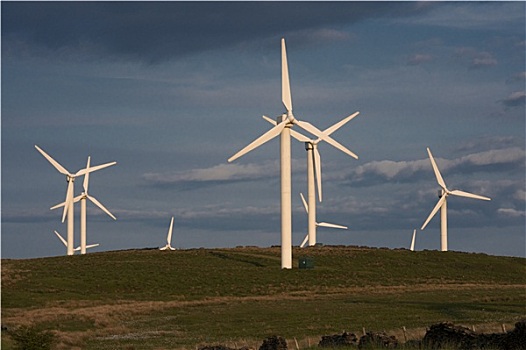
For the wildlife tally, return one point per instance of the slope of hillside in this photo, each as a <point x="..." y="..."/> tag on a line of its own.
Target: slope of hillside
<point x="152" y="299"/>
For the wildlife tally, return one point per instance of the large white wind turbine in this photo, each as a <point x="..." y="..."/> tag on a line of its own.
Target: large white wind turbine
<point x="285" y="122"/>
<point x="68" y="204"/>
<point x="442" y="203"/>
<point x="78" y="248"/>
<point x="83" y="212"/>
<point x="321" y="224"/>
<point x="169" y="237"/>
<point x="314" y="170"/>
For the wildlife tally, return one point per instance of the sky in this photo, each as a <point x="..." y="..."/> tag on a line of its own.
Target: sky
<point x="171" y="90"/>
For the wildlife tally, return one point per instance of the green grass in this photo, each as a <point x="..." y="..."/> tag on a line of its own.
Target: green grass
<point x="149" y="299"/>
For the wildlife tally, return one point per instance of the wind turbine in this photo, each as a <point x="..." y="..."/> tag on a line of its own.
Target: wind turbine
<point x="442" y="203"/>
<point x="283" y="128"/>
<point x="314" y="170"/>
<point x="82" y="198"/>
<point x="321" y="224"/>
<point x="68" y="203"/>
<point x="78" y="248"/>
<point x="413" y="241"/>
<point x="169" y="237"/>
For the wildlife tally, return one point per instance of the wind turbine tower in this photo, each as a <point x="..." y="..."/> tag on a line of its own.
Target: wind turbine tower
<point x="283" y="128"/>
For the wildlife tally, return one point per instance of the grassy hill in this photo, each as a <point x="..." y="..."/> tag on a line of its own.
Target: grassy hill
<point x="150" y="299"/>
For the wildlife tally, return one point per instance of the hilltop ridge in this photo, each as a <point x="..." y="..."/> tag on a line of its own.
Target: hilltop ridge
<point x="175" y="299"/>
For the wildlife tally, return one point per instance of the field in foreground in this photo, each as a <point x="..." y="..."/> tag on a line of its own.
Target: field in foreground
<point x="150" y="299"/>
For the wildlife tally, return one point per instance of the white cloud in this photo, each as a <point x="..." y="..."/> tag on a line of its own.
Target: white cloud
<point x="419" y="58"/>
<point x="518" y="77"/>
<point x="516" y="99"/>
<point x="493" y="157"/>
<point x="391" y="169"/>
<point x="485" y="60"/>
<point x="520" y="195"/>
<point x="476" y="58"/>
<point x="221" y="172"/>
<point x="470" y="16"/>
<point x="510" y="212"/>
<point x="387" y="170"/>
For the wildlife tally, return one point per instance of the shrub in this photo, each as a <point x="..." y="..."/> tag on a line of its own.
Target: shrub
<point x="30" y="338"/>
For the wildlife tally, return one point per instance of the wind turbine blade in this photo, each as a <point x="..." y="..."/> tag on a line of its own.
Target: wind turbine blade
<point x="169" y="238"/>
<point x="61" y="238"/>
<point x="315" y="131"/>
<point x="298" y="136"/>
<point x="270" y="120"/>
<point x="413" y="241"/>
<point x="57" y="206"/>
<point x="95" y="168"/>
<point x="469" y="195"/>
<point x="293" y="133"/>
<point x="57" y="166"/>
<point x="276" y="130"/>
<point x="285" y="84"/>
<point x="435" y="209"/>
<point x="98" y="204"/>
<point x="304" y="241"/>
<point x="69" y="199"/>
<point x="304" y="203"/>
<point x="440" y="180"/>
<point x="86" y="177"/>
<point x="338" y="125"/>
<point x="317" y="168"/>
<point x="92" y="245"/>
<point x="326" y="224"/>
<point x="164" y="248"/>
<point x="77" y="198"/>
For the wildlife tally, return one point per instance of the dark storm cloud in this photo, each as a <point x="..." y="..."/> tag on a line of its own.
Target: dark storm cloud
<point x="154" y="32"/>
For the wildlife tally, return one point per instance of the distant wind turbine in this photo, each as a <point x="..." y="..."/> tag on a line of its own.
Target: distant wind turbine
<point x="283" y="129"/>
<point x="83" y="212"/>
<point x="68" y="203"/>
<point x="169" y="237"/>
<point x="321" y="224"/>
<point x="442" y="203"/>
<point x="78" y="248"/>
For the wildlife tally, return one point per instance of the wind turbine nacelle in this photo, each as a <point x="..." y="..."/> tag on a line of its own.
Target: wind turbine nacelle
<point x="440" y="193"/>
<point x="280" y="118"/>
<point x="308" y="146"/>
